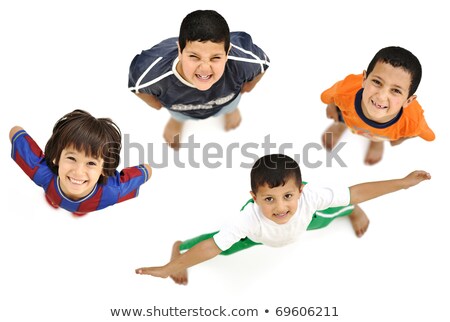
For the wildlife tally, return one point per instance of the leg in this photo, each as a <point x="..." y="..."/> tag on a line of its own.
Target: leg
<point x="172" y="133"/>
<point x="374" y="153"/>
<point x="359" y="220"/>
<point x="232" y="119"/>
<point x="180" y="277"/>
<point x="332" y="135"/>
<point x="238" y="246"/>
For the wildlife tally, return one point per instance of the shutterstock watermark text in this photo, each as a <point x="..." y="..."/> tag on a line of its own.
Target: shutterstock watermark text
<point x="214" y="155"/>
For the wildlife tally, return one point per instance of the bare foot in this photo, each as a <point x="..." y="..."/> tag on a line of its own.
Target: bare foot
<point x="180" y="277"/>
<point x="359" y="220"/>
<point x="332" y="135"/>
<point x="374" y="153"/>
<point x="232" y="120"/>
<point x="172" y="133"/>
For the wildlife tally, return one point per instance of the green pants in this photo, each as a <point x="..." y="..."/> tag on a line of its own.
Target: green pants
<point x="319" y="220"/>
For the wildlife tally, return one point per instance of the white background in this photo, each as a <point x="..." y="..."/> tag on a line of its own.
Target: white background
<point x="58" y="55"/>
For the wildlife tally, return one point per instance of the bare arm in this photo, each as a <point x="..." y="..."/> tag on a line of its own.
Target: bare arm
<point x="150" y="100"/>
<point x="13" y="131"/>
<point x="332" y="112"/>
<point x="248" y="86"/>
<point x="370" y="190"/>
<point x="201" y="252"/>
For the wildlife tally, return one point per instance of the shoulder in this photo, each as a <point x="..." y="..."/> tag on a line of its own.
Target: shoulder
<point x="242" y="46"/>
<point x="351" y="83"/>
<point x="162" y="54"/>
<point x="325" y="196"/>
<point x="241" y="37"/>
<point x="413" y="122"/>
<point x="413" y="114"/>
<point x="137" y="174"/>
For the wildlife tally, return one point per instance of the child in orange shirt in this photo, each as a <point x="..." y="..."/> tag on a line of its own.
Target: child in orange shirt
<point x="379" y="104"/>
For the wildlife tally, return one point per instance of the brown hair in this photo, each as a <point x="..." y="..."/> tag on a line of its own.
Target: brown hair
<point x="97" y="137"/>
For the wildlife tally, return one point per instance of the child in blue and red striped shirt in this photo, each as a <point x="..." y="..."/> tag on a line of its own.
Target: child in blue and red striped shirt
<point x="78" y="169"/>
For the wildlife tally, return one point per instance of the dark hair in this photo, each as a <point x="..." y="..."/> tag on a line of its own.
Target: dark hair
<point x="98" y="138"/>
<point x="274" y="170"/>
<point x="399" y="57"/>
<point x="204" y="25"/>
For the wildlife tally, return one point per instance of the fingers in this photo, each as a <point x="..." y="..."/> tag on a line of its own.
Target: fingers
<point x="425" y="175"/>
<point x="421" y="174"/>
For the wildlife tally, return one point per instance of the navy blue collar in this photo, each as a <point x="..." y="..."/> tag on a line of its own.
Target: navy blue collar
<point x="374" y="124"/>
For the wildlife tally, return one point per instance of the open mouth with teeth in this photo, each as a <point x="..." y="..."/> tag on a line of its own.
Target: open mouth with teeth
<point x="378" y="106"/>
<point x="76" y="182"/>
<point x="281" y="215"/>
<point x="203" y="77"/>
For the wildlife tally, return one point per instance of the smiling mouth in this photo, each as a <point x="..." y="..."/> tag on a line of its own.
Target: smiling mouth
<point x="77" y="182"/>
<point x="281" y="215"/>
<point x="378" y="106"/>
<point x="203" y="77"/>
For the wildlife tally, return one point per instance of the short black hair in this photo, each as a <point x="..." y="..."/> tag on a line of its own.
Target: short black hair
<point x="399" y="57"/>
<point x="204" y="25"/>
<point x="274" y="170"/>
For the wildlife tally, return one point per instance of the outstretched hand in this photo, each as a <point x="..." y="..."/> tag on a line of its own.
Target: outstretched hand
<point x="415" y="177"/>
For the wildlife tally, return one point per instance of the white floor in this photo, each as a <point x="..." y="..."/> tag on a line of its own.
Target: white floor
<point x="58" y="56"/>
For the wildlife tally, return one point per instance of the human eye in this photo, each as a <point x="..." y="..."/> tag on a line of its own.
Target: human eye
<point x="71" y="158"/>
<point x="92" y="163"/>
<point x="397" y="91"/>
<point x="268" y="199"/>
<point x="288" y="196"/>
<point x="376" y="82"/>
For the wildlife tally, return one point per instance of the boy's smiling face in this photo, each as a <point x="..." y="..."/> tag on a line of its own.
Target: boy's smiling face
<point x="78" y="173"/>
<point x="280" y="203"/>
<point x="386" y="91"/>
<point x="202" y="63"/>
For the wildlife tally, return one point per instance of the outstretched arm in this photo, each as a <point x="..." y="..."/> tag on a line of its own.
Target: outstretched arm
<point x="13" y="131"/>
<point x="332" y="112"/>
<point x="369" y="190"/>
<point x="199" y="253"/>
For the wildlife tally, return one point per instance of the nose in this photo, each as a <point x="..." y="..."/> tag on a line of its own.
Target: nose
<point x="383" y="93"/>
<point x="79" y="168"/>
<point x="281" y="206"/>
<point x="205" y="65"/>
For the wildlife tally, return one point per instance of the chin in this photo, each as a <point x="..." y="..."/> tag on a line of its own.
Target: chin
<point x="203" y="87"/>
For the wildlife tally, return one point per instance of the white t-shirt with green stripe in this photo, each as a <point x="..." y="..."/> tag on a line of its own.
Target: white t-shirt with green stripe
<point x="251" y="223"/>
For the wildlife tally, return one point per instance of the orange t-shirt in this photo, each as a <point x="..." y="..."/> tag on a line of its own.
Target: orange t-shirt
<point x="347" y="94"/>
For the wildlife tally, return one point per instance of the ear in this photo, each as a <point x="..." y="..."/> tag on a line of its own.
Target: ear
<point x="253" y="195"/>
<point x="364" y="78"/>
<point x="179" y="49"/>
<point x="409" y="100"/>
